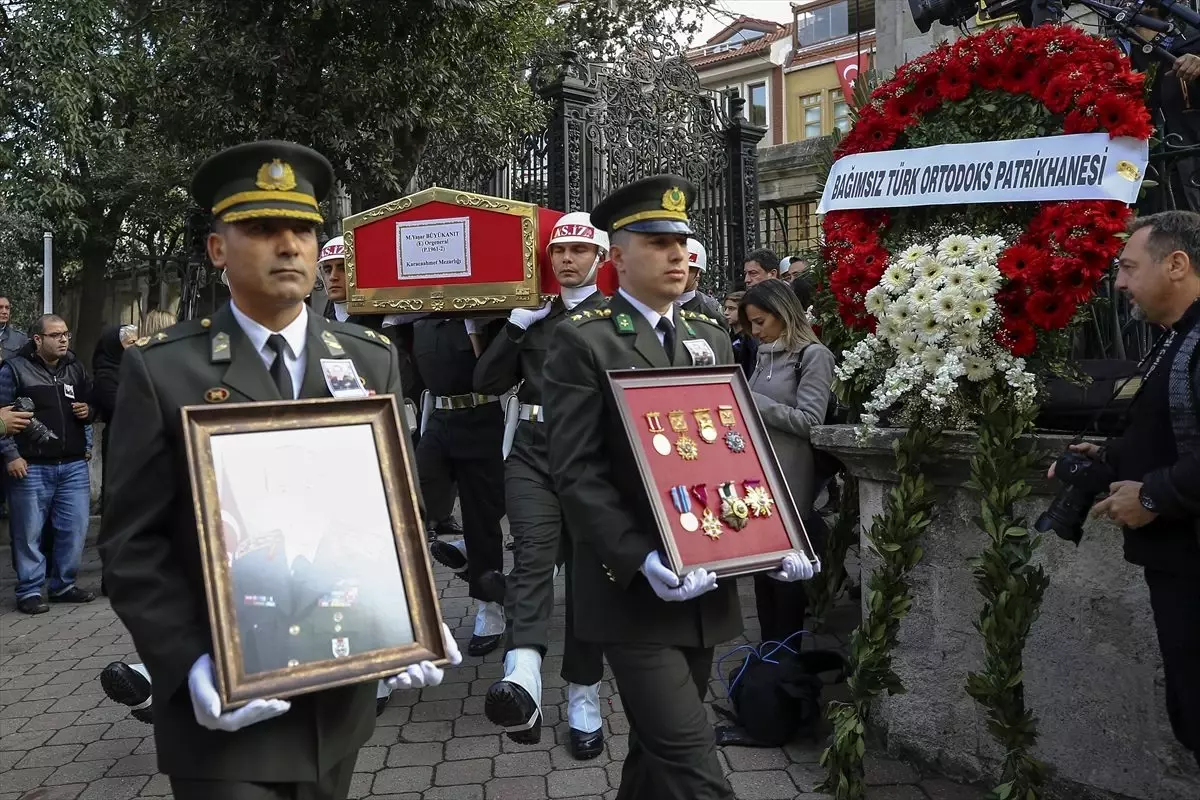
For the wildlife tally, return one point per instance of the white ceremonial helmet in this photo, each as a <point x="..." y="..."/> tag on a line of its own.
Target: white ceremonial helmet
<point x="577" y="227"/>
<point x="334" y="250"/>
<point x="697" y="255"/>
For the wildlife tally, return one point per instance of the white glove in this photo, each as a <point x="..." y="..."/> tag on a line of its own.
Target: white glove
<point x="795" y="567"/>
<point x="666" y="584"/>
<point x="206" y="704"/>
<point x="523" y="317"/>
<point x="425" y="674"/>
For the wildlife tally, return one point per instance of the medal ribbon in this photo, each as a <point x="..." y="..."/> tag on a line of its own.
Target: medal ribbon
<point x="679" y="496"/>
<point x="727" y="491"/>
<point x="700" y="492"/>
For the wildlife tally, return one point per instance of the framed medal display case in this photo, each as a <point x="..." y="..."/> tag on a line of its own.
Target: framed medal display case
<point x="315" y="576"/>
<point x="448" y="253"/>
<point x="711" y="476"/>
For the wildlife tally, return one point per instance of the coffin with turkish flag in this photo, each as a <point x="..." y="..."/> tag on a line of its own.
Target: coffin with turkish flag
<point x="448" y="252"/>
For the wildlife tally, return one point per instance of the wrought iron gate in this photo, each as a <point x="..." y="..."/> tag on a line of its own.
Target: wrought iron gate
<point x="613" y="123"/>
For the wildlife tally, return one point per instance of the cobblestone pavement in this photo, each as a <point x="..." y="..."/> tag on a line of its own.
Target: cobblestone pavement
<point x="62" y="739"/>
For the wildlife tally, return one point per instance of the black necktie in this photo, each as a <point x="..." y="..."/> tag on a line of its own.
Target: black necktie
<point x="279" y="370"/>
<point x="668" y="332"/>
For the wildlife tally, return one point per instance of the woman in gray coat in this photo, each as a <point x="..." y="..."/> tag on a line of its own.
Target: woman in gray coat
<point x="792" y="387"/>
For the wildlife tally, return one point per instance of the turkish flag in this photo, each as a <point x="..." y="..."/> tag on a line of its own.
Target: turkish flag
<point x="848" y="67"/>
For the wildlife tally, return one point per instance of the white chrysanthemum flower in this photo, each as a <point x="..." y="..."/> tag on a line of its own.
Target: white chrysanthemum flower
<point x="966" y="337"/>
<point x="913" y="255"/>
<point x="980" y="311"/>
<point x="955" y="278"/>
<point x="901" y="312"/>
<point x="987" y="248"/>
<point x="896" y="279"/>
<point x="870" y="421"/>
<point x="949" y="306"/>
<point x="933" y="359"/>
<point x="985" y="280"/>
<point x="907" y="345"/>
<point x="887" y="330"/>
<point x="954" y="248"/>
<point x="930" y="269"/>
<point x="876" y="301"/>
<point x="920" y="295"/>
<point x="928" y="329"/>
<point x="978" y="368"/>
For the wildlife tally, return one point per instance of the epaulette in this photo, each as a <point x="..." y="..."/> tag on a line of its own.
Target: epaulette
<point x="602" y="312"/>
<point x="360" y="332"/>
<point x="180" y="330"/>
<point x="701" y="317"/>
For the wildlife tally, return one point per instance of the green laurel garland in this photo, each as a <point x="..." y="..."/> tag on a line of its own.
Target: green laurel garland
<point x="894" y="538"/>
<point x="1012" y="589"/>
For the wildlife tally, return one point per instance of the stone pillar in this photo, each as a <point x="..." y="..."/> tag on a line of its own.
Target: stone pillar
<point x="1093" y="674"/>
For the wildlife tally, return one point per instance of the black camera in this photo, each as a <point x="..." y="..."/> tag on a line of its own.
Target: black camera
<point x="36" y="430"/>
<point x="1083" y="481"/>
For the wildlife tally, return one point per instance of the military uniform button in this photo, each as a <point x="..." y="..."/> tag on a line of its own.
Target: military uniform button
<point x="293" y="662"/>
<point x="337" y="628"/>
<point x="337" y="616"/>
<point x="294" y="630"/>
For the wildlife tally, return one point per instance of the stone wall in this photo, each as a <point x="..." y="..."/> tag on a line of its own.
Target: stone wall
<point x="1093" y="674"/>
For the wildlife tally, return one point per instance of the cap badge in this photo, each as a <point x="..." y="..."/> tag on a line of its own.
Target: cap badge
<point x="276" y="176"/>
<point x="674" y="200"/>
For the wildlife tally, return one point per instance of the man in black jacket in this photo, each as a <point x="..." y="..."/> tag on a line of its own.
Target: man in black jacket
<point x="46" y="466"/>
<point x="1156" y="463"/>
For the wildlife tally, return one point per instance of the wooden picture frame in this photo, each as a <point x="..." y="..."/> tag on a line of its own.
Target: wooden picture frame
<point x="312" y="545"/>
<point x="690" y="390"/>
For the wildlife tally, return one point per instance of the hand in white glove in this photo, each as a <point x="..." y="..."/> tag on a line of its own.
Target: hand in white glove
<point x="795" y="567"/>
<point x="425" y="674"/>
<point x="523" y="317"/>
<point x="206" y="704"/>
<point x="666" y="583"/>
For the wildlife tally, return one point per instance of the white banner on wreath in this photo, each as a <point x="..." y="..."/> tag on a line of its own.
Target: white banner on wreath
<point x="1080" y="166"/>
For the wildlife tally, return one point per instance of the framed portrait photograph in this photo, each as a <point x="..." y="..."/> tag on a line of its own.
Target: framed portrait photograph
<point x="711" y="476"/>
<point x="312" y="544"/>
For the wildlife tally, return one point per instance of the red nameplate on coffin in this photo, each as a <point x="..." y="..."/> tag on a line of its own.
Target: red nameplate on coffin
<point x="763" y="541"/>
<point x="444" y="252"/>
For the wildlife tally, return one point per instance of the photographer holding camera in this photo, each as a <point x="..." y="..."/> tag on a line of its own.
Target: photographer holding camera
<point x="1152" y="473"/>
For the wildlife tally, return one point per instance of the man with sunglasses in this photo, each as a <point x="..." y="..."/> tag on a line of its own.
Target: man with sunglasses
<point x="46" y="465"/>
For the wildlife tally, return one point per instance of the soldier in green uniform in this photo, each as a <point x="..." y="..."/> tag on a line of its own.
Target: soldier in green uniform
<point x="657" y="629"/>
<point x="265" y="345"/>
<point x="517" y="356"/>
<point x="692" y="298"/>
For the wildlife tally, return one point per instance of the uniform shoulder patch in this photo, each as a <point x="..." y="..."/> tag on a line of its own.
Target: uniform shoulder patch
<point x="591" y="315"/>
<point x="359" y="332"/>
<point x="181" y="330"/>
<point x="701" y="317"/>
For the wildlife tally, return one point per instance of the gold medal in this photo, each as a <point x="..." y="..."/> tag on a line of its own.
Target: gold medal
<point x="678" y="423"/>
<point x="704" y="424"/>
<point x="711" y="525"/>
<point x="686" y="447"/>
<point x="726" y="414"/>
<point x="734" y="511"/>
<point x="758" y="500"/>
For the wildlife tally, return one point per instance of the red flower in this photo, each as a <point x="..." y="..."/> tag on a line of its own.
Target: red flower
<point x="989" y="72"/>
<point x="1076" y="283"/>
<point x="1021" y="76"/>
<point x="1049" y="311"/>
<point x="955" y="81"/>
<point x="1078" y="121"/>
<point x="1121" y="117"/>
<point x="1018" y="337"/>
<point x="1021" y="262"/>
<point x="1058" y="94"/>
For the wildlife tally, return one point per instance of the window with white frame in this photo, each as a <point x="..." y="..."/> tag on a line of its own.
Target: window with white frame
<point x="758" y="104"/>
<point x="841" y="110"/>
<point x="810" y="115"/>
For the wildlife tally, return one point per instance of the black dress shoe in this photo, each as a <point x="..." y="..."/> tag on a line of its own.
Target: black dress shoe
<point x="508" y="705"/>
<point x="491" y="586"/>
<point x="482" y="645"/>
<point x="448" y="555"/>
<point x="34" y="604"/>
<point x="73" y="595"/>
<point x="125" y="685"/>
<point x="586" y="746"/>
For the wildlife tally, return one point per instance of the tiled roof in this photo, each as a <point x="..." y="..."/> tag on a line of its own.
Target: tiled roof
<point x="754" y="47"/>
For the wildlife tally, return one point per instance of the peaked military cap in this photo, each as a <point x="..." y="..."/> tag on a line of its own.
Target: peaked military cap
<point x="658" y="204"/>
<point x="263" y="180"/>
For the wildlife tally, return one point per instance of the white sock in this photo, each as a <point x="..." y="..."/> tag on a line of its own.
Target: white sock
<point x="145" y="673"/>
<point x="523" y="666"/>
<point x="489" y="619"/>
<point x="583" y="707"/>
<point x="461" y="546"/>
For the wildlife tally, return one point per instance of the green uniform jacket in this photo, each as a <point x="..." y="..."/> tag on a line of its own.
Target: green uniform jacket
<point x="519" y="356"/>
<point x="601" y="490"/>
<point x="150" y="547"/>
<point x="709" y="307"/>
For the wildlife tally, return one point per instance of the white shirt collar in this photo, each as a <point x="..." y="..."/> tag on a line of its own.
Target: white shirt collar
<point x="340" y="313"/>
<point x="573" y="296"/>
<point x="293" y="333"/>
<point x="686" y="297"/>
<point x="646" y="311"/>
